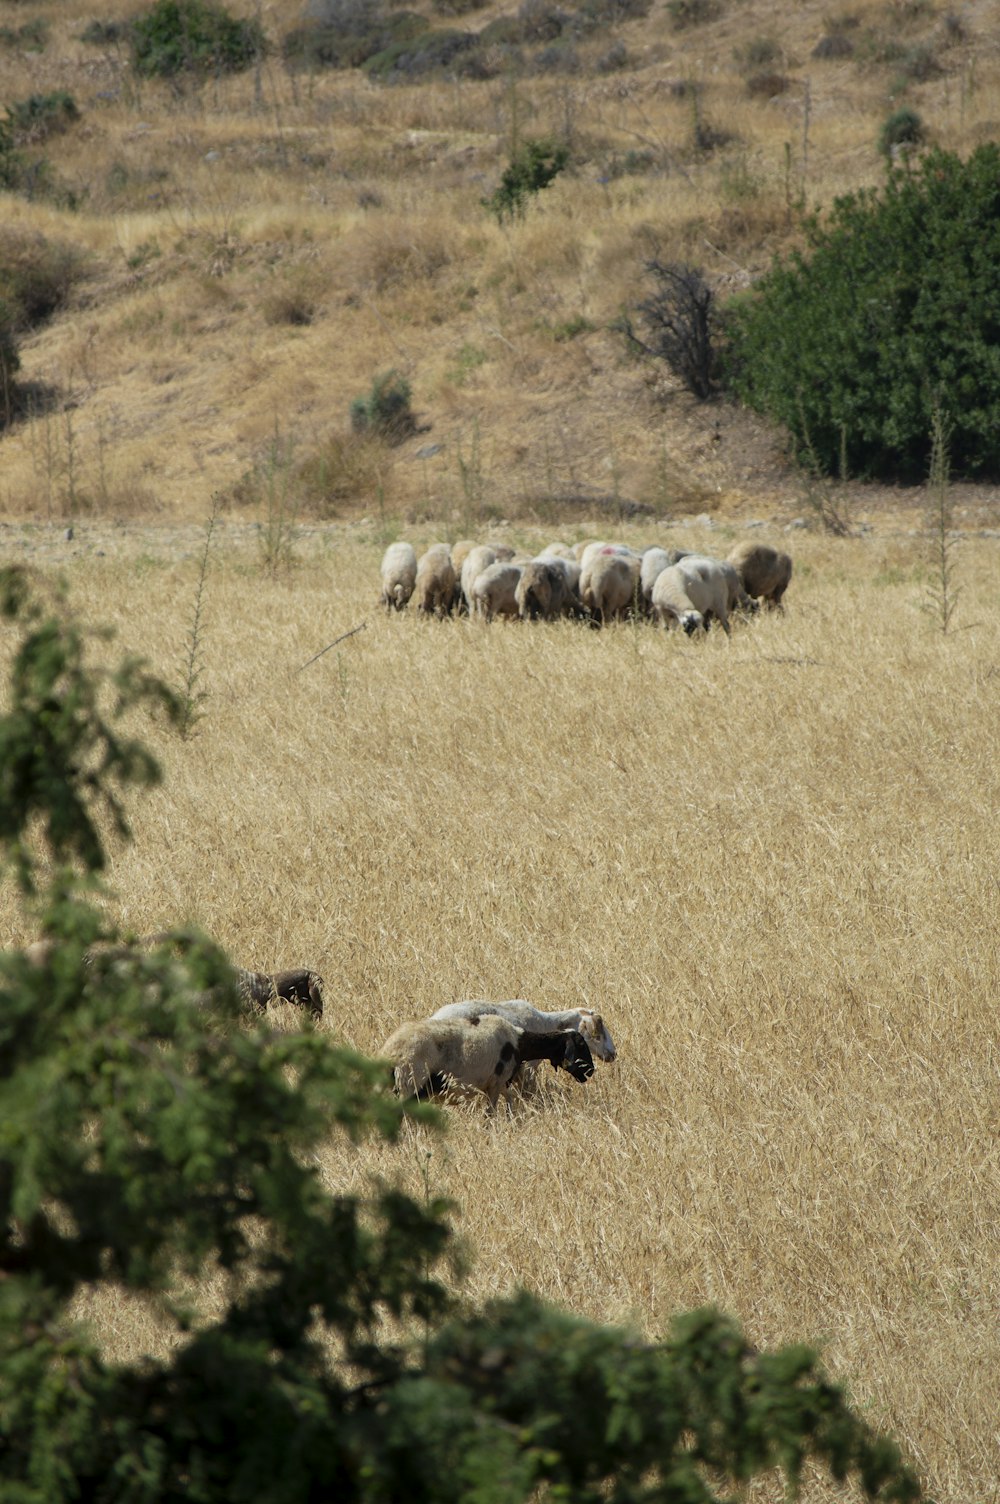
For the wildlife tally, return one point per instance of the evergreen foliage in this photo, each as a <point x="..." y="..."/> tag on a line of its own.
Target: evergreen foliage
<point x="894" y="307"/>
<point x="386" y="410"/>
<point x="193" y="36"/>
<point x="150" y="1137"/>
<point x="533" y="165"/>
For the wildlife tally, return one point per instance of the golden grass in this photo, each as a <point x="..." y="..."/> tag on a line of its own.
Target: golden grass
<point x="770" y="862"/>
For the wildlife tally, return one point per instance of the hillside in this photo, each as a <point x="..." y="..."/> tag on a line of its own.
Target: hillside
<point x="256" y="248"/>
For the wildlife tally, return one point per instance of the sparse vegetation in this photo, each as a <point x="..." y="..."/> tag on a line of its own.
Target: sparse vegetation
<point x="942" y="592"/>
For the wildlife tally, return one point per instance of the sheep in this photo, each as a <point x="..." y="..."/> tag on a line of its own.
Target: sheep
<point x="494" y="591"/>
<point x="302" y="987"/>
<point x="460" y="551"/>
<point x="475" y="561"/>
<point x="546" y="588"/>
<point x="608" y="583"/>
<point x="590" y="551"/>
<point x="691" y="593"/>
<point x="399" y="575"/>
<point x="435" y="585"/>
<point x="479" y="1053"/>
<point x="654" y="560"/>
<point x="764" y="571"/>
<point x="557" y="551"/>
<point x="525" y="1015"/>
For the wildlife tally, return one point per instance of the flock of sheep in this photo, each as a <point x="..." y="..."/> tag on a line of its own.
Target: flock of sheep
<point x="598" y="582"/>
<point x="478" y="1046"/>
<point x="464" y="1047"/>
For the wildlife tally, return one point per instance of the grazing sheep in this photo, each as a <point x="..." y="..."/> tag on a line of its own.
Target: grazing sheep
<point x="546" y="588"/>
<point x="590" y="552"/>
<point x="399" y="575"/>
<point x="435" y="586"/>
<point x="557" y="551"/>
<point x="478" y="1053"/>
<point x="764" y="571"/>
<point x="608" y="584"/>
<point x="691" y="593"/>
<point x="654" y="561"/>
<point x="303" y="987"/>
<point x="525" y="1015"/>
<point x="475" y="561"/>
<point x="494" y="591"/>
<point x="460" y="551"/>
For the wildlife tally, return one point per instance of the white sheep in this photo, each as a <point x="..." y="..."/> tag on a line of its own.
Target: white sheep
<point x="525" y="1015"/>
<point x="590" y="551"/>
<point x="764" y="571"/>
<point x="494" y="591"/>
<point x="399" y="575"/>
<point x="548" y="588"/>
<point x="435" y="584"/>
<point x="479" y="1053"/>
<point x="476" y="560"/>
<point x="609" y="582"/>
<point x="691" y="592"/>
<point x="654" y="561"/>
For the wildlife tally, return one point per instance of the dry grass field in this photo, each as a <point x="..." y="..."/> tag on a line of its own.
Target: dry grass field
<point x="771" y="862"/>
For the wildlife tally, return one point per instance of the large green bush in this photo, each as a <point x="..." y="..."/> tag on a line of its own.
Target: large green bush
<point x="193" y="36"/>
<point x="893" y="309"/>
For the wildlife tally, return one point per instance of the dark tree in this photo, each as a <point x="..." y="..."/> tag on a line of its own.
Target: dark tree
<point x="677" y="324"/>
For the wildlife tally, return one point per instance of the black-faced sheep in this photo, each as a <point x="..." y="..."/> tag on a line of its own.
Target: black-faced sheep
<point x="477" y="1053"/>
<point x="764" y="571"/>
<point x="525" y="1015"/>
<point x="435" y="584"/>
<point x="691" y="592"/>
<point x="302" y="987"/>
<point x="399" y="575"/>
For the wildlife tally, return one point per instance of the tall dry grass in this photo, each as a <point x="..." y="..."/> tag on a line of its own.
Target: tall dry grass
<point x="771" y="862"/>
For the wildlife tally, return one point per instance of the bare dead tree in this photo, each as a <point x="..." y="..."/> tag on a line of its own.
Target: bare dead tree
<point x="677" y="324"/>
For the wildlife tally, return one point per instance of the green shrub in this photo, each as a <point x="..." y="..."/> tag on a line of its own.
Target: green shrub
<point x="41" y="115"/>
<point x="532" y="167"/>
<point x="433" y="52"/>
<point x="36" y="276"/>
<point x="386" y="410"/>
<point x="31" y="37"/>
<point x="894" y="309"/>
<point x="193" y="36"/>
<point x="350" y="38"/>
<point x="684" y="13"/>
<point x="105" y="33"/>
<point x="903" y="127"/>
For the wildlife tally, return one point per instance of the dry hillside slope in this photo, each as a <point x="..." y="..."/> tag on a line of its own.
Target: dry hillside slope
<point x="258" y="247"/>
